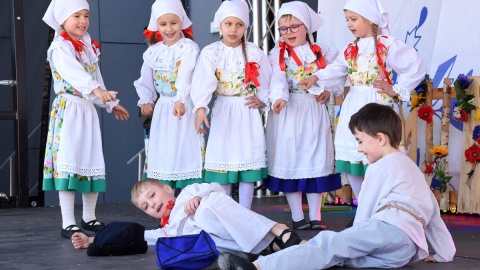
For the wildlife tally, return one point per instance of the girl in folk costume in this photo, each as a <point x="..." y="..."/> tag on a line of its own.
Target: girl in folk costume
<point x="239" y="73"/>
<point x="175" y="148"/>
<point x="299" y="137"/>
<point x="73" y="155"/>
<point x="368" y="63"/>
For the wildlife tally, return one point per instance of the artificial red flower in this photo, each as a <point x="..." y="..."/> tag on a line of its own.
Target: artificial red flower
<point x="429" y="168"/>
<point x="473" y="154"/>
<point x="426" y="113"/>
<point x="463" y="116"/>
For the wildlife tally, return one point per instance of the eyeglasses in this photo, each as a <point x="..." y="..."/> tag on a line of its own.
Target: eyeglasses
<point x="293" y="28"/>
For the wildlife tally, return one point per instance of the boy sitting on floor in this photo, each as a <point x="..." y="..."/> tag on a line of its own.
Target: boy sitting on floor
<point x="396" y="215"/>
<point x="204" y="207"/>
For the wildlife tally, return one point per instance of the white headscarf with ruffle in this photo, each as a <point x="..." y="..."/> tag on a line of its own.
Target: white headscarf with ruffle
<point x="162" y="7"/>
<point x="373" y="11"/>
<point x="58" y="12"/>
<point x="234" y="8"/>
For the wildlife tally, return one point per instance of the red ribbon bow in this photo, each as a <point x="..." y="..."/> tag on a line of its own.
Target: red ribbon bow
<point x="320" y="61"/>
<point x="149" y="34"/>
<point x="251" y="73"/>
<point x="77" y="44"/>
<point x="95" y="46"/>
<point x="165" y="218"/>
<point x="382" y="49"/>
<point x="188" y="31"/>
<point x="291" y="52"/>
<point x="351" y="51"/>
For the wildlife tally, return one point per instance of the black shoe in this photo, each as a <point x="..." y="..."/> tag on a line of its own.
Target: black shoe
<point x="69" y="231"/>
<point x="301" y="225"/>
<point x="349" y="224"/>
<point x="317" y="225"/>
<point x="293" y="240"/>
<point x="228" y="261"/>
<point x="91" y="226"/>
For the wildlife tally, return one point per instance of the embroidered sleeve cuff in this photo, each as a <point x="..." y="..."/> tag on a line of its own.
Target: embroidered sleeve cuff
<point x="180" y="98"/>
<point x="317" y="88"/>
<point x="278" y="94"/>
<point x="89" y="96"/>
<point x="111" y="104"/>
<point x="207" y="110"/>
<point x="144" y="101"/>
<point x="403" y="94"/>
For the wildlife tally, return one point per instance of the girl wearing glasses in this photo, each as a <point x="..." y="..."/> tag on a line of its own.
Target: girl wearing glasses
<point x="368" y="63"/>
<point x="239" y="74"/>
<point x="299" y="137"/>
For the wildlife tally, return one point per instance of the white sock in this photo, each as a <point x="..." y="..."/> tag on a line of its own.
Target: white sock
<point x="294" y="200"/>
<point x="228" y="189"/>
<point x="314" y="206"/>
<point x="245" y="194"/>
<point x="89" y="204"/>
<point x="67" y="205"/>
<point x="355" y="183"/>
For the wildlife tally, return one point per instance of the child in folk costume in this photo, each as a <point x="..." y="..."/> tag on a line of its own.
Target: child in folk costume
<point x="202" y="207"/>
<point x="397" y="212"/>
<point x="239" y="73"/>
<point x="368" y="63"/>
<point x="175" y="148"/>
<point x="73" y="155"/>
<point x="299" y="137"/>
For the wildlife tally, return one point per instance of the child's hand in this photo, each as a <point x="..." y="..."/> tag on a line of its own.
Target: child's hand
<point x="147" y="109"/>
<point x="192" y="205"/>
<point x="201" y="118"/>
<point x="254" y="103"/>
<point x="384" y="88"/>
<point x="278" y="106"/>
<point x="104" y="95"/>
<point x="179" y="109"/>
<point x="120" y="112"/>
<point x="308" y="82"/>
<point x="323" y="97"/>
<point x="430" y="258"/>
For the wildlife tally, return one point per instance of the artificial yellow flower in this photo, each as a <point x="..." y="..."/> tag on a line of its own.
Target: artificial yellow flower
<point x="415" y="101"/>
<point x="477" y="115"/>
<point x="439" y="151"/>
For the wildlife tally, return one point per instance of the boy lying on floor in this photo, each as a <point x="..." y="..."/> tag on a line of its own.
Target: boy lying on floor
<point x="204" y="207"/>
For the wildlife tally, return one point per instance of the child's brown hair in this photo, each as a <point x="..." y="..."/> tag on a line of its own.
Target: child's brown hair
<point x="374" y="118"/>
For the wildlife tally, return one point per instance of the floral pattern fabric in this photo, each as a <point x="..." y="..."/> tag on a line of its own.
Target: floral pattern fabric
<point x="295" y="74"/>
<point x="53" y="179"/>
<point x="364" y="71"/>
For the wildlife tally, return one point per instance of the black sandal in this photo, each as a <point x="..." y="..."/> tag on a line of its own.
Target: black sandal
<point x="69" y="231"/>
<point x="91" y="226"/>
<point x="293" y="240"/>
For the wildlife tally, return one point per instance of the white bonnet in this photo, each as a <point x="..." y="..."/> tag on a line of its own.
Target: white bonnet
<point x="235" y="8"/>
<point x="303" y="12"/>
<point x="372" y="10"/>
<point x="58" y="12"/>
<point x="161" y="7"/>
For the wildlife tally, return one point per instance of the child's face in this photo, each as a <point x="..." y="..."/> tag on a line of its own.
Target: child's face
<point x="154" y="198"/>
<point x="232" y="31"/>
<point x="296" y="34"/>
<point x="358" y="25"/>
<point x="371" y="147"/>
<point x="77" y="24"/>
<point x="170" y="27"/>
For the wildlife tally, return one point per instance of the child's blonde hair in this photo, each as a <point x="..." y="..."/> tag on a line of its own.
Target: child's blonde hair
<point x="140" y="186"/>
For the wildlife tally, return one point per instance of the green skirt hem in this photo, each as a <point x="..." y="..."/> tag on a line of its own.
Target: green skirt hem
<point x="232" y="177"/>
<point x="357" y="169"/>
<point x="74" y="184"/>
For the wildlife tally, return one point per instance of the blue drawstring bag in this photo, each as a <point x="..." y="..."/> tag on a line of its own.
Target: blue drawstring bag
<point x="187" y="252"/>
